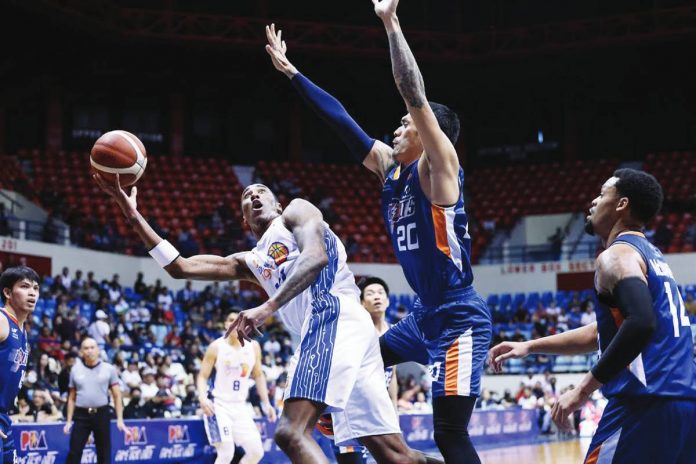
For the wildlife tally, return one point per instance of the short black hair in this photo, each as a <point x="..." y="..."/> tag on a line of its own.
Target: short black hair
<point x="643" y="191"/>
<point x="12" y="275"/>
<point x="367" y="281"/>
<point x="447" y="120"/>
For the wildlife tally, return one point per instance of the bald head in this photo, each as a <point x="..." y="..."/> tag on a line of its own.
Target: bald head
<point x="89" y="351"/>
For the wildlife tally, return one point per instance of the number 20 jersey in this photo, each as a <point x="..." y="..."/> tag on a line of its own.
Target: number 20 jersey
<point x="666" y="365"/>
<point x="431" y="242"/>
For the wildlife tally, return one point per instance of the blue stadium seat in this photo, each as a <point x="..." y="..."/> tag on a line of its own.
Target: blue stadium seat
<point x="492" y="299"/>
<point x="505" y="300"/>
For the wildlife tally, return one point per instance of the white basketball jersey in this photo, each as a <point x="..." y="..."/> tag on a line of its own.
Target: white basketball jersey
<point x="233" y="367"/>
<point x="274" y="258"/>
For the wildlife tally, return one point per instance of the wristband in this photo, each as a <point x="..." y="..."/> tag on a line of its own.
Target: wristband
<point x="164" y="253"/>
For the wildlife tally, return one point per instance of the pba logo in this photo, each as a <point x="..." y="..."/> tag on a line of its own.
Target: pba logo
<point x="32" y="440"/>
<point x="179" y="434"/>
<point x="135" y="436"/>
<point x="278" y="252"/>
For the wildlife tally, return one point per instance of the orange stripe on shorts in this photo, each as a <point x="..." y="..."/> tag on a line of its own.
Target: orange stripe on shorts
<point x="452" y="369"/>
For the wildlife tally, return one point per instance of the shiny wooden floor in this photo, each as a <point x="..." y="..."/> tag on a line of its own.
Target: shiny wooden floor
<point x="562" y="452"/>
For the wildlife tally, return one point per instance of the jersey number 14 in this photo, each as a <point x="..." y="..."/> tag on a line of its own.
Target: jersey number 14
<point x="678" y="311"/>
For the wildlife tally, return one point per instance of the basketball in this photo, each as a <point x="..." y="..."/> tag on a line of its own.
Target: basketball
<point x="119" y="152"/>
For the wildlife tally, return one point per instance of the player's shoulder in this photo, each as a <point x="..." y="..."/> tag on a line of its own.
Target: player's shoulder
<point x="299" y="211"/>
<point x="617" y="262"/>
<point x="4" y="325"/>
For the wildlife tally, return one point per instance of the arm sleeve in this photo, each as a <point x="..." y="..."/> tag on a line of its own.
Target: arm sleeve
<point x="330" y="110"/>
<point x="635" y="304"/>
<point x="71" y="381"/>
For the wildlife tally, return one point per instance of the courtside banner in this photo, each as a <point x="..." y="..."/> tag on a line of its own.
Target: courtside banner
<point x="184" y="441"/>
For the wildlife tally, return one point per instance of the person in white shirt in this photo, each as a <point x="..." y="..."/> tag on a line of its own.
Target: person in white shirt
<point x="228" y="421"/>
<point x="588" y="313"/>
<point x="99" y="330"/>
<point x="149" y="387"/>
<point x="131" y="376"/>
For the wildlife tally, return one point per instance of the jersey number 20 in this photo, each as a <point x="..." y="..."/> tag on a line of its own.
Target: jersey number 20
<point x="679" y="317"/>
<point x="406" y="237"/>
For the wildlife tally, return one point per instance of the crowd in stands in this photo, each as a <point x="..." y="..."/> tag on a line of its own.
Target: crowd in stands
<point x="540" y="392"/>
<point x="156" y="338"/>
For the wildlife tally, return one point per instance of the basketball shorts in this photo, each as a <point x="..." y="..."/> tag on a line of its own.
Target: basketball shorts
<point x="232" y="422"/>
<point x="338" y="363"/>
<point x="451" y="339"/>
<point x="645" y="430"/>
<point x="9" y="452"/>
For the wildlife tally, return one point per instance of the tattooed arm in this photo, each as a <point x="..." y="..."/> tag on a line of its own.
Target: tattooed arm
<point x="439" y="163"/>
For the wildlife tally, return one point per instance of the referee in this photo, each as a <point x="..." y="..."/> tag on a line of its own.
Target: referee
<point x="88" y="403"/>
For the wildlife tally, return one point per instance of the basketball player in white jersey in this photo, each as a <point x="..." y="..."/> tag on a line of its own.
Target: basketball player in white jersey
<point x="228" y="421"/>
<point x="301" y="264"/>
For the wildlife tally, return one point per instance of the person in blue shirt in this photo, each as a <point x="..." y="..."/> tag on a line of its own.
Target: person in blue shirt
<point x="20" y="292"/>
<point x="450" y="327"/>
<point x="646" y="368"/>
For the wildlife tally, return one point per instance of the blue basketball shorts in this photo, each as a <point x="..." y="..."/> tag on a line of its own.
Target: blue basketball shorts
<point x="451" y="339"/>
<point x="645" y="430"/>
<point x="9" y="451"/>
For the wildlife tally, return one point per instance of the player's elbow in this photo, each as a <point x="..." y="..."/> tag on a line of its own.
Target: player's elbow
<point x="176" y="270"/>
<point x="318" y="259"/>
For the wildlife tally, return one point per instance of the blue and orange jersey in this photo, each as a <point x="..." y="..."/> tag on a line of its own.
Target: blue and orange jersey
<point x="666" y="365"/>
<point x="14" y="354"/>
<point x="431" y="242"/>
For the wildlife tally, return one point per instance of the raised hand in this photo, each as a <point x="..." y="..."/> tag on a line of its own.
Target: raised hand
<point x="506" y="350"/>
<point x="277" y="48"/>
<point x="385" y="8"/>
<point x="128" y="203"/>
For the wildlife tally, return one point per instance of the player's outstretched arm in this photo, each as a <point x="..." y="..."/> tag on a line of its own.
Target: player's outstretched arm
<point x="577" y="341"/>
<point x="199" y="267"/>
<point x="440" y="156"/>
<point x="373" y="154"/>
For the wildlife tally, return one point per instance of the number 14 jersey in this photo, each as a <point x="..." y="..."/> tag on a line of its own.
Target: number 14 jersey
<point x="666" y="365"/>
<point x="431" y="242"/>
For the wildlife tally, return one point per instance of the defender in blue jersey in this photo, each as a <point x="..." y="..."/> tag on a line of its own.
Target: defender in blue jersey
<point x="423" y="207"/>
<point x="20" y="291"/>
<point x="646" y="367"/>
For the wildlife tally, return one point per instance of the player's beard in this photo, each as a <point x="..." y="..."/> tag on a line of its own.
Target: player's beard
<point x="589" y="227"/>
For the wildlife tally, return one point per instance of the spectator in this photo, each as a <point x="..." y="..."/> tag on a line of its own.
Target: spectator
<point x="135" y="408"/>
<point x="99" y="330"/>
<point x="131" y="376"/>
<point x="271" y="346"/>
<point x="148" y="388"/>
<point x="588" y="313"/>
<point x="4" y="223"/>
<point x="690" y="304"/>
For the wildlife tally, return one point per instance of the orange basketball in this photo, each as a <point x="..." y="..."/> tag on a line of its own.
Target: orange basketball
<point x="119" y="152"/>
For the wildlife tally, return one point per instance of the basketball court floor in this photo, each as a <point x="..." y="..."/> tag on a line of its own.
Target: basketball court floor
<point x="551" y="452"/>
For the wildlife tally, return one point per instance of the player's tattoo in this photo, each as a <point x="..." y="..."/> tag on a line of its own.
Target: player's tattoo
<point x="406" y="73"/>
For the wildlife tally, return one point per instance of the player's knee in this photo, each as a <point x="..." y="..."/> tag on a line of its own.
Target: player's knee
<point x="225" y="453"/>
<point x="287" y="438"/>
<point x="252" y="453"/>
